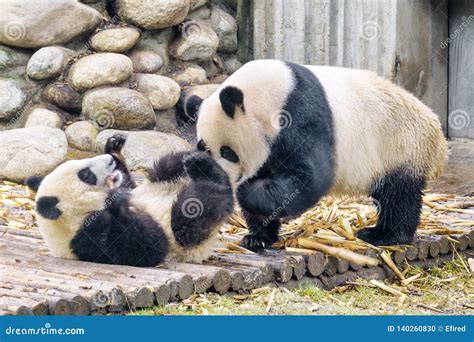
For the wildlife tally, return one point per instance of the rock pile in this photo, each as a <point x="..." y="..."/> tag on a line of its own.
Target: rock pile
<point x="72" y="72"/>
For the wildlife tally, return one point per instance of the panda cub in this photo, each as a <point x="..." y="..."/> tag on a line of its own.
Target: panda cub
<point x="288" y="134"/>
<point x="92" y="210"/>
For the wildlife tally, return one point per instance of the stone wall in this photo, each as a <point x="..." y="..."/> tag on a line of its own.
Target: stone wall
<point x="85" y="68"/>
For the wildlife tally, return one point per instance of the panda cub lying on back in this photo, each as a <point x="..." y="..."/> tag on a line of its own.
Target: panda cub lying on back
<point x="92" y="210"/>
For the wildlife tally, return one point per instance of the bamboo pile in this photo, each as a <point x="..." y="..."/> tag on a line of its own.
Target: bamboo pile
<point x="317" y="248"/>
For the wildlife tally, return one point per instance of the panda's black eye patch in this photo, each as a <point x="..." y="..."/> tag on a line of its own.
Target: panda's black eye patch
<point x="87" y="176"/>
<point x="229" y="154"/>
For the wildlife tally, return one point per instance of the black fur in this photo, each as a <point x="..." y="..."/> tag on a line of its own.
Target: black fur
<point x="300" y="167"/>
<point x="398" y="196"/>
<point x="87" y="176"/>
<point x="114" y="146"/>
<point x="204" y="203"/>
<point x="230" y="98"/>
<point x="46" y="207"/>
<point x="34" y="182"/>
<point x="120" y="235"/>
<point x="168" y="168"/>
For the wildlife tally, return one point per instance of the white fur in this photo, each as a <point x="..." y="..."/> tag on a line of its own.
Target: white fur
<point x="157" y="199"/>
<point x="76" y="200"/>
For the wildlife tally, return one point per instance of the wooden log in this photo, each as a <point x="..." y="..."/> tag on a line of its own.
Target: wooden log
<point x="24" y="306"/>
<point x="411" y="252"/>
<point x="372" y="254"/>
<point x="354" y="266"/>
<point x="220" y="278"/>
<point x="442" y="241"/>
<point x="31" y="233"/>
<point x="330" y="282"/>
<point x="140" y="297"/>
<point x="423" y="249"/>
<point x="342" y="265"/>
<point x="151" y="273"/>
<point x="314" y="264"/>
<point x="298" y="264"/>
<point x="471" y="238"/>
<point x="226" y="260"/>
<point x="122" y="274"/>
<point x="462" y="242"/>
<point x="162" y="294"/>
<point x="277" y="260"/>
<point x="398" y="256"/>
<point x="330" y="268"/>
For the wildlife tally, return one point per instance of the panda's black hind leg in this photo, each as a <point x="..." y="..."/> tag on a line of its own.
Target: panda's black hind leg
<point x="263" y="233"/>
<point x="398" y="198"/>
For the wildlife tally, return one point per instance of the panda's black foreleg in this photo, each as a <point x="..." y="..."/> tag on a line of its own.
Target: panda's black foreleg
<point x="263" y="233"/>
<point x="398" y="197"/>
<point x="114" y="146"/>
<point x="204" y="204"/>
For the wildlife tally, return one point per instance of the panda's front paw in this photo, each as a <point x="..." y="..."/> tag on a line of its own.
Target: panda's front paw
<point x="199" y="165"/>
<point x="382" y="237"/>
<point x="115" y="143"/>
<point x="257" y="242"/>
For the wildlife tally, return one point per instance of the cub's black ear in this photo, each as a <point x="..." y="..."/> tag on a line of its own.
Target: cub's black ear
<point x="46" y="207"/>
<point x="34" y="182"/>
<point x="231" y="97"/>
<point x="188" y="107"/>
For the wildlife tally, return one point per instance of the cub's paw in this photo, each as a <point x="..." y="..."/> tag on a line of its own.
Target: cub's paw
<point x="257" y="242"/>
<point x="115" y="143"/>
<point x="199" y="164"/>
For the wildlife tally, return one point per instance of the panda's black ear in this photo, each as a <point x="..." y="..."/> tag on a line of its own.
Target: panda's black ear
<point x="188" y="107"/>
<point x="231" y="97"/>
<point x="34" y="182"/>
<point x="46" y="207"/>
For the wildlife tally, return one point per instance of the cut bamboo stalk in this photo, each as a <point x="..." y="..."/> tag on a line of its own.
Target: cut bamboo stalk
<point x="338" y="252"/>
<point x="389" y="289"/>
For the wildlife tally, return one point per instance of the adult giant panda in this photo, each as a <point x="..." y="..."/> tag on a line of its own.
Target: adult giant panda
<point x="91" y="209"/>
<point x="287" y="134"/>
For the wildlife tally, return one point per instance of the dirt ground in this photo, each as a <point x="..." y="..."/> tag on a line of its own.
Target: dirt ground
<point x="446" y="290"/>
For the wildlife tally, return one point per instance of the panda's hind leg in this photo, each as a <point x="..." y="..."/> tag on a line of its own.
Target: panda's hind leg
<point x="202" y="205"/>
<point x="398" y="197"/>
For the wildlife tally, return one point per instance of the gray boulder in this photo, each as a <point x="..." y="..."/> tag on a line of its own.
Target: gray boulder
<point x="99" y="69"/>
<point x="31" y="151"/>
<point x="12" y="98"/>
<point x="115" y="39"/>
<point x="153" y="14"/>
<point x="196" y="41"/>
<point x="34" y="24"/>
<point x="163" y="92"/>
<point x="117" y="107"/>
<point x="226" y="28"/>
<point x="81" y="135"/>
<point x="142" y="148"/>
<point x="145" y="61"/>
<point x="44" y="118"/>
<point x="48" y="62"/>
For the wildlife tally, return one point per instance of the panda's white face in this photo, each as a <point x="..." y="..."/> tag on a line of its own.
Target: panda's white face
<point x="78" y="186"/>
<point x="238" y="144"/>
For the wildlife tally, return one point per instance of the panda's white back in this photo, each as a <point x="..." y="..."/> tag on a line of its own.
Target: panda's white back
<point x="378" y="126"/>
